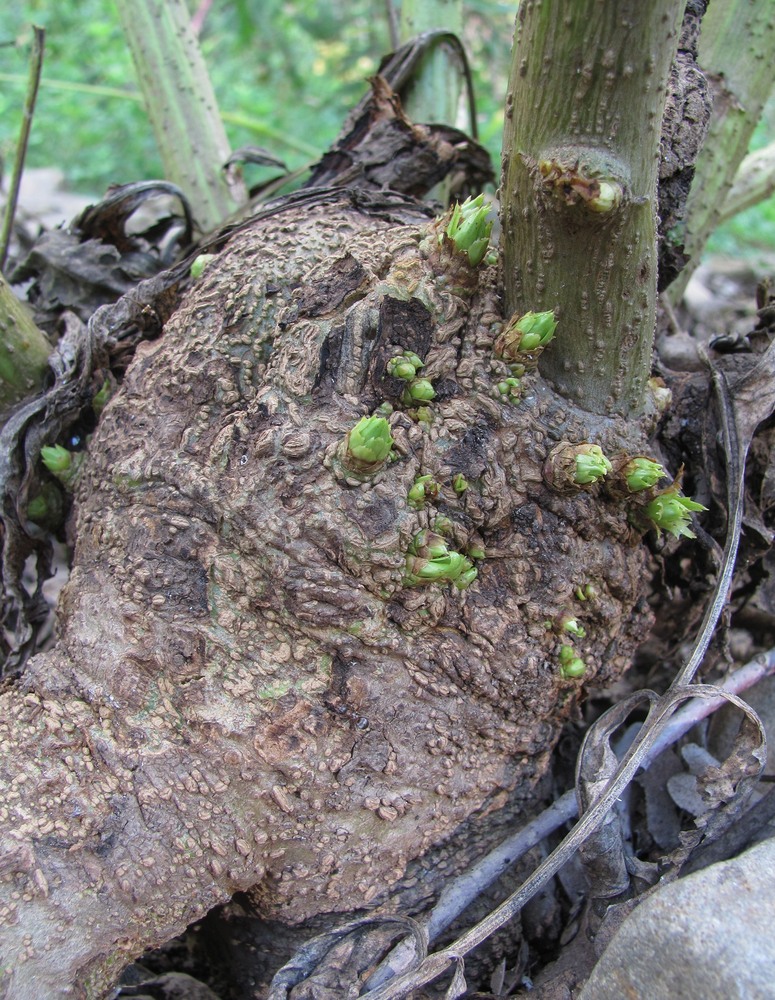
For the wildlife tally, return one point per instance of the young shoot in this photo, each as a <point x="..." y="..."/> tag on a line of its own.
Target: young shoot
<point x="671" y="511"/>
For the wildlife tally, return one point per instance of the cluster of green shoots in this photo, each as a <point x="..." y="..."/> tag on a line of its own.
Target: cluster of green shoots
<point x="418" y="390"/>
<point x="584" y="465"/>
<point x="524" y="338"/>
<point x="429" y="559"/>
<point x="469" y="230"/>
<point x="572" y="667"/>
<point x="520" y="345"/>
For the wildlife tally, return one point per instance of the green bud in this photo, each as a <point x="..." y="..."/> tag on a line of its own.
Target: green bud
<point x="591" y="465"/>
<point x="419" y="390"/>
<point x="460" y="483"/>
<point x="469" y="229"/>
<point x="425" y="488"/>
<point x="443" y="525"/>
<point x="56" y="458"/>
<point x="570" y="625"/>
<point x="47" y="508"/>
<point x="101" y="397"/>
<point x="405" y="365"/>
<point x="424" y="415"/>
<point x="528" y="334"/>
<point x="509" y="390"/>
<point x="414" y="359"/>
<point x="370" y="441"/>
<point x="608" y="198"/>
<point x="400" y="368"/>
<point x="491" y="258"/>
<point x="476" y="551"/>
<point x="38" y="509"/>
<point x="571" y="665"/>
<point x="200" y="263"/>
<point x="586" y="592"/>
<point x="642" y="474"/>
<point x="671" y="511"/>
<point x="430" y="560"/>
<point x="384" y="409"/>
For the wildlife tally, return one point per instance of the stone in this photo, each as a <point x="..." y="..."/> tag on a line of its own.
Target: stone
<point x="706" y="935"/>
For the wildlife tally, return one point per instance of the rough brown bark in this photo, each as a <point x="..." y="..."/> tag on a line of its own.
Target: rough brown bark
<point x="244" y="693"/>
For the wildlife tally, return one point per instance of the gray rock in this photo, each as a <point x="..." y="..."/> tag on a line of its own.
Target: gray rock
<point x="706" y="936"/>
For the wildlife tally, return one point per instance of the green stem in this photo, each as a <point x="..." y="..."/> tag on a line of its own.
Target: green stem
<point x="36" y="63"/>
<point x="736" y="47"/>
<point x="433" y="93"/>
<point x="754" y="182"/>
<point x="24" y="349"/>
<point x="583" y="115"/>
<point x="181" y="105"/>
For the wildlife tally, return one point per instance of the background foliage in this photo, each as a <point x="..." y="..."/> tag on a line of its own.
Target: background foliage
<point x="285" y="72"/>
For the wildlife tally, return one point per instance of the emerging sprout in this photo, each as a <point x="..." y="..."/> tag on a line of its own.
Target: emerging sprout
<point x="591" y="465"/>
<point x="37" y="509"/>
<point x="47" y="507"/>
<point x="430" y="560"/>
<point x="525" y="335"/>
<point x="469" y="230"/>
<point x="642" y="473"/>
<point x="570" y="624"/>
<point x="101" y="397"/>
<point x="460" y="483"/>
<point x="571" y="467"/>
<point x="571" y="665"/>
<point x="508" y="390"/>
<point x="62" y="463"/>
<point x="608" y="197"/>
<point x="405" y="366"/>
<point x="420" y="390"/>
<point x="443" y="525"/>
<point x="671" y="511"/>
<point x="200" y="263"/>
<point x="370" y="440"/>
<point x="424" y="488"/>
<point x="586" y="592"/>
<point x="661" y="396"/>
<point x="56" y="458"/>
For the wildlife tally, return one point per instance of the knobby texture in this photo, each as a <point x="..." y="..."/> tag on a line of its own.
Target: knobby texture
<point x="245" y="694"/>
<point x="583" y="116"/>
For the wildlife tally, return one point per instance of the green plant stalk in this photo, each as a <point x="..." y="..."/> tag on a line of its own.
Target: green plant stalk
<point x="24" y="349"/>
<point x="181" y="105"/>
<point x="36" y="64"/>
<point x="754" y="182"/>
<point x="736" y="46"/>
<point x="583" y="114"/>
<point x="433" y="93"/>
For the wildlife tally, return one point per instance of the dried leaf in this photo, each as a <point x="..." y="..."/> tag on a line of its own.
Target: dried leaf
<point x="312" y="955"/>
<point x="603" y="853"/>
